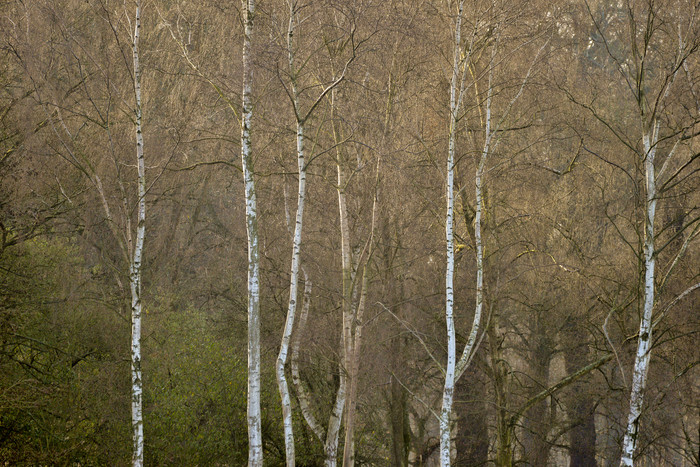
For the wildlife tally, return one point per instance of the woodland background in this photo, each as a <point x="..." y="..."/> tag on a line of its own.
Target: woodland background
<point x="563" y="227"/>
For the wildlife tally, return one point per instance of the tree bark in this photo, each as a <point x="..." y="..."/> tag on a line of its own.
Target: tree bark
<point x="135" y="266"/>
<point x="536" y="424"/>
<point x="580" y="405"/>
<point x="448" y="388"/>
<point x="296" y="257"/>
<point x="255" y="449"/>
<point x="291" y="310"/>
<point x="643" y="355"/>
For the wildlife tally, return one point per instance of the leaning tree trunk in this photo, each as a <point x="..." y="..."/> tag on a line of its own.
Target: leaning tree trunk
<point x="296" y="257"/>
<point x="291" y="310"/>
<point x="643" y="356"/>
<point x="346" y="263"/>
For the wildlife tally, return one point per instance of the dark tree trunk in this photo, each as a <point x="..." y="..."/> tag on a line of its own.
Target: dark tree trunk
<point x="580" y="406"/>
<point x="536" y="420"/>
<point x="399" y="424"/>
<point x="472" y="432"/>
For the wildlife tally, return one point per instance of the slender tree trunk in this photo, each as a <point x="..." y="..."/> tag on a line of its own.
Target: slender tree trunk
<point x="354" y="368"/>
<point x="643" y="356"/>
<point x="448" y="389"/>
<point x="293" y="284"/>
<point x="135" y="266"/>
<point x="349" y="448"/>
<point x="255" y="450"/>
<point x="347" y="268"/>
<point x="535" y="421"/>
<point x="504" y="431"/>
<point x="455" y="368"/>
<point x="291" y="310"/>
<point x="332" y="435"/>
<point x="580" y="403"/>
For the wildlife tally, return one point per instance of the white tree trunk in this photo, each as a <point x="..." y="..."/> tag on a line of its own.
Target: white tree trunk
<point x="471" y="344"/>
<point x="455" y="369"/>
<point x="135" y="266"/>
<point x="255" y="448"/>
<point x="650" y="140"/>
<point x="448" y="389"/>
<point x="641" y="364"/>
<point x="291" y="310"/>
<point x="331" y="439"/>
<point x="302" y="395"/>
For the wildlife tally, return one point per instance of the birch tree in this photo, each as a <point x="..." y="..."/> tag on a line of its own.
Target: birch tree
<point x="301" y="116"/>
<point x="341" y="47"/>
<point x="91" y="108"/>
<point x="248" y="15"/>
<point x="484" y="36"/>
<point x="354" y="292"/>
<point x="459" y="74"/>
<point x="649" y="46"/>
<point x="651" y="101"/>
<point x="136" y="258"/>
<point x="255" y="448"/>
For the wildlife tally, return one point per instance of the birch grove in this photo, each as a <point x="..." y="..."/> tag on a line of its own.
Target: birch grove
<point x="349" y="232"/>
